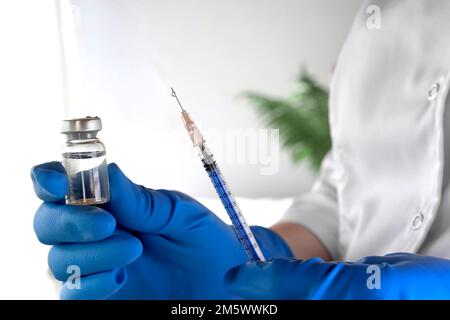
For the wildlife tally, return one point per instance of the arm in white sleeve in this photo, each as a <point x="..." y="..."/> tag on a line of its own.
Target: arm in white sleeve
<point x="318" y="209"/>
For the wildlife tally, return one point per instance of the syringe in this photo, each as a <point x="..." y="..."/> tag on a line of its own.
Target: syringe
<point x="240" y="226"/>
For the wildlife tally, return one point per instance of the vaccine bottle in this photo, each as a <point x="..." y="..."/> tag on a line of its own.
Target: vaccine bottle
<point x="84" y="158"/>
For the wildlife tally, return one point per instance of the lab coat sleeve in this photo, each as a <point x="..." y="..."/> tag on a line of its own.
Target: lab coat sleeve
<point x="317" y="210"/>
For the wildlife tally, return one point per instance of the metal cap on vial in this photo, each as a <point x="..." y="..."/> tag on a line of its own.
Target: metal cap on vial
<point x="87" y="124"/>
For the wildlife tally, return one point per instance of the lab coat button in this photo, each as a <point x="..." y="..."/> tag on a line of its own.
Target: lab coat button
<point x="433" y="92"/>
<point x="417" y="221"/>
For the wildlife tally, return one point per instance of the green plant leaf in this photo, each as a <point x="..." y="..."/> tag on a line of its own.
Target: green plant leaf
<point x="301" y="117"/>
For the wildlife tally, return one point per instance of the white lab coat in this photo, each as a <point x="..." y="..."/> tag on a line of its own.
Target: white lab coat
<point x="384" y="187"/>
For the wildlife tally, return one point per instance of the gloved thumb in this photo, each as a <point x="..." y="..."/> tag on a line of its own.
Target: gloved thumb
<point x="50" y="181"/>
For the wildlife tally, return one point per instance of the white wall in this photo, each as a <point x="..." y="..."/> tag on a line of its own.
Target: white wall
<point x="209" y="50"/>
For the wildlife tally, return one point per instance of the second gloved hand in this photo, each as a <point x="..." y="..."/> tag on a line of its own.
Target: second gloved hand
<point x="394" y="276"/>
<point x="144" y="244"/>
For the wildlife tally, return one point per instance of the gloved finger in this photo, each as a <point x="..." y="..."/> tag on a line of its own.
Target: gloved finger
<point x="94" y="287"/>
<point x="117" y="251"/>
<point x="57" y="223"/>
<point x="150" y="211"/>
<point x="50" y="181"/>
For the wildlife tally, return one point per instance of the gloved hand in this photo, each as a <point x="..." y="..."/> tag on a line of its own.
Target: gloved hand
<point x="401" y="276"/>
<point x="143" y="244"/>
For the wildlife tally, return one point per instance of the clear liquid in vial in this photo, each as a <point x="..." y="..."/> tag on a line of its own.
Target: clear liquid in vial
<point x="88" y="177"/>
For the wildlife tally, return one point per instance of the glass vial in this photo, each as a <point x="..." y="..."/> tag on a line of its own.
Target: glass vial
<point x="84" y="158"/>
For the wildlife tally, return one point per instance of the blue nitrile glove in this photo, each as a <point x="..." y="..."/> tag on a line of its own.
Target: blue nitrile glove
<point x="143" y="244"/>
<point x="401" y="276"/>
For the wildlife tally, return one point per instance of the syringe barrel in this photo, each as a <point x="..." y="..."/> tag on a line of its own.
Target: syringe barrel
<point x="240" y="226"/>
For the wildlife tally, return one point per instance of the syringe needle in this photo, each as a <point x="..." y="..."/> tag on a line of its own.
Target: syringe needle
<point x="174" y="94"/>
<point x="194" y="133"/>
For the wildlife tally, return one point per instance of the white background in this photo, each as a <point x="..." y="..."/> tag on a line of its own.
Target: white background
<point x="210" y="51"/>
